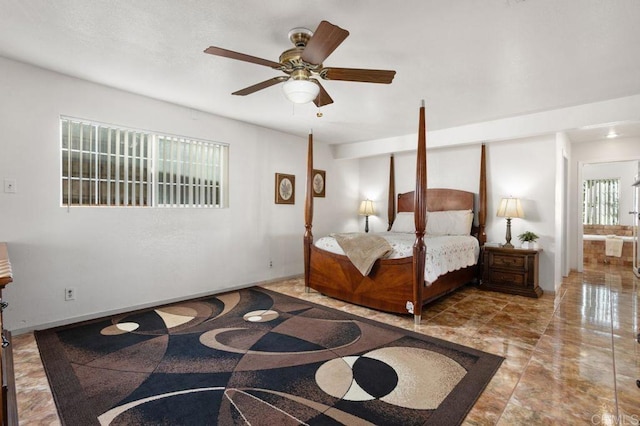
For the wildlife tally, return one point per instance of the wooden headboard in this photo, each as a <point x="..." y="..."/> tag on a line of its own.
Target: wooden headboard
<point x="438" y="199"/>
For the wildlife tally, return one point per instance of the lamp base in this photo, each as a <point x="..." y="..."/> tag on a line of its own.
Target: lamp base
<point x="508" y="236"/>
<point x="366" y="224"/>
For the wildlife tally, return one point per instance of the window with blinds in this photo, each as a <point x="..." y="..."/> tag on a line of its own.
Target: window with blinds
<point x="600" y="202"/>
<point x="188" y="172"/>
<point x="105" y="165"/>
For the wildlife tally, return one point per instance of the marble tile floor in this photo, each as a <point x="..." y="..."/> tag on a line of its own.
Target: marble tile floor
<point x="570" y="358"/>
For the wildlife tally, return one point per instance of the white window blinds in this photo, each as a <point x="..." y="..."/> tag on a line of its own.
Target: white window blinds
<point x="103" y="165"/>
<point x="188" y="172"/>
<point x="600" y="202"/>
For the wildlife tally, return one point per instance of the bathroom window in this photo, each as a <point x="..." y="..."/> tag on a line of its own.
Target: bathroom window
<point x="600" y="202"/>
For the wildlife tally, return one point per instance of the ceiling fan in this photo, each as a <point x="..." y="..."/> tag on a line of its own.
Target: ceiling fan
<point x="303" y="64"/>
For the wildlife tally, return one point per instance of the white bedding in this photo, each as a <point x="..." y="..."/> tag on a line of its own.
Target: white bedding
<point x="444" y="253"/>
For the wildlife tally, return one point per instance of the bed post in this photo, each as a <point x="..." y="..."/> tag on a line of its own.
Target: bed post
<point x="482" y="208"/>
<point x="308" y="214"/>
<point x="391" y="204"/>
<point x="420" y="213"/>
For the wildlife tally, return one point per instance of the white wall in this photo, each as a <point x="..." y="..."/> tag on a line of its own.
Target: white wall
<point x="526" y="168"/>
<point x="374" y="176"/>
<point x="608" y="150"/>
<point x="523" y="168"/>
<point x="120" y="258"/>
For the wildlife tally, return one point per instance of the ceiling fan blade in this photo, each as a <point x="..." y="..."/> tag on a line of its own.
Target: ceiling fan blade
<point x="218" y="51"/>
<point x="263" y="85"/>
<point x="355" y="74"/>
<point x="323" y="97"/>
<point x="324" y="41"/>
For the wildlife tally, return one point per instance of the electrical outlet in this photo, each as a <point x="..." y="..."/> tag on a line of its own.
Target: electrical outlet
<point x="271" y="264"/>
<point x="69" y="293"/>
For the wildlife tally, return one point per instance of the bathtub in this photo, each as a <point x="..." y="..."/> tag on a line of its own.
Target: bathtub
<point x="593" y="237"/>
<point x="594" y="250"/>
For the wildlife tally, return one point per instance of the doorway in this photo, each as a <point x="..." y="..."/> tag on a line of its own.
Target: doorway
<point x="591" y="240"/>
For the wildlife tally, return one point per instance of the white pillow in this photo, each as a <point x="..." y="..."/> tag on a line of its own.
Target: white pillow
<point x="404" y="223"/>
<point x="450" y="222"/>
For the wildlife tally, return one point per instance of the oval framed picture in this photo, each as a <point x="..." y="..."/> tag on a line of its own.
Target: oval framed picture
<point x="319" y="183"/>
<point x="285" y="189"/>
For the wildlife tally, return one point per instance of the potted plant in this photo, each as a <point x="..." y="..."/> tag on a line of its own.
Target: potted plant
<point x="528" y="240"/>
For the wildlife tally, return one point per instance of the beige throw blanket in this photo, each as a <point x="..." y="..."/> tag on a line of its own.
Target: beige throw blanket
<point x="363" y="249"/>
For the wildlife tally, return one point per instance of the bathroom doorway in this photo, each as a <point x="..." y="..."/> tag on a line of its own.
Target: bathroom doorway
<point x="609" y="208"/>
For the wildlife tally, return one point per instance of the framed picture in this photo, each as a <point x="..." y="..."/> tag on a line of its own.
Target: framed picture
<point x="285" y="189"/>
<point x="319" y="182"/>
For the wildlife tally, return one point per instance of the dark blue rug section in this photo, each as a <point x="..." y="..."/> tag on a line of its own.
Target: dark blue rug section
<point x="257" y="357"/>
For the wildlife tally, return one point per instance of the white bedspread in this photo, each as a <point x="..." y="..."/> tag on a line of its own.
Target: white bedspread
<point x="444" y="253"/>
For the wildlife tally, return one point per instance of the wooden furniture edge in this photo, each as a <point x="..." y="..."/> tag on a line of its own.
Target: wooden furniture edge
<point x="4" y="257"/>
<point x="482" y="197"/>
<point x="388" y="286"/>
<point x="391" y="202"/>
<point x="9" y="415"/>
<point x="11" y="408"/>
<point x="420" y="220"/>
<point x="308" y="214"/>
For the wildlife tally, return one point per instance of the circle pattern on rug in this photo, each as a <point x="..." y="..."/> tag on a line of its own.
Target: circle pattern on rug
<point x="403" y="376"/>
<point x="375" y="377"/>
<point x="261" y="316"/>
<point x="119" y="328"/>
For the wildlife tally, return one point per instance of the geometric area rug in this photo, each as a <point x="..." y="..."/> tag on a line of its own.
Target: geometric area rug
<point x="257" y="357"/>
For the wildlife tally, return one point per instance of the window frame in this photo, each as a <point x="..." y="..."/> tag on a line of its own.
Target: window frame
<point x="603" y="208"/>
<point x="122" y="176"/>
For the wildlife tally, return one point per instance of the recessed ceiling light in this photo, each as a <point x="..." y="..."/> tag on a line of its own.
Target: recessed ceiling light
<point x="603" y="125"/>
<point x="612" y="134"/>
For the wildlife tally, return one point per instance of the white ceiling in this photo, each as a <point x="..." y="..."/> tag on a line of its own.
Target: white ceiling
<point x="470" y="60"/>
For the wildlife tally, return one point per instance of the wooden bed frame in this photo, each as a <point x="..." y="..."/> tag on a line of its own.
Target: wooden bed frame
<point x="393" y="285"/>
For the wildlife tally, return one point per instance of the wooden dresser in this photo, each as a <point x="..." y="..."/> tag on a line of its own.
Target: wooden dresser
<point x="511" y="270"/>
<point x="9" y="413"/>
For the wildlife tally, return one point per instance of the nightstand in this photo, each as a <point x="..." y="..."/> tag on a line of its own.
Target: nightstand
<point x="511" y="270"/>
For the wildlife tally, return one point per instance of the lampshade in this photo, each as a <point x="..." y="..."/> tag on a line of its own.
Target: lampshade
<point x="366" y="208"/>
<point x="300" y="91"/>
<point x="510" y="207"/>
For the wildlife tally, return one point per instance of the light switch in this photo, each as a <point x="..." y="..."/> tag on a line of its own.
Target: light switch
<point x="10" y="186"/>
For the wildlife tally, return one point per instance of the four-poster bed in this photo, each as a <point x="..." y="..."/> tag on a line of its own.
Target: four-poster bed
<point x="394" y="285"/>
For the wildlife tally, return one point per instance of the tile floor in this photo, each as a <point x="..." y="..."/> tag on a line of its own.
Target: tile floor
<point x="571" y="358"/>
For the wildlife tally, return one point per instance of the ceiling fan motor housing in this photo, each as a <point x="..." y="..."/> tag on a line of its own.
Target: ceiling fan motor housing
<point x="294" y="65"/>
<point x="300" y="36"/>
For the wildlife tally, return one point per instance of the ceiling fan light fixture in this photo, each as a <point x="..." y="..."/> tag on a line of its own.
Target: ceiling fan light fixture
<point x="300" y="91"/>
